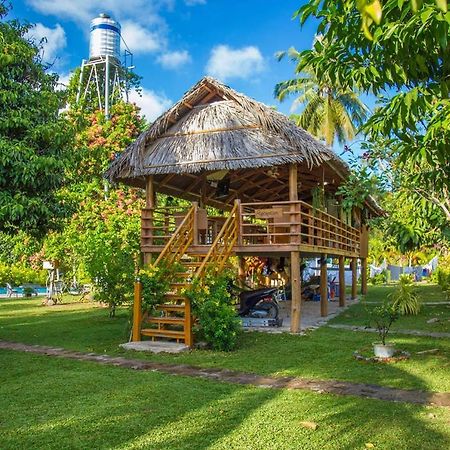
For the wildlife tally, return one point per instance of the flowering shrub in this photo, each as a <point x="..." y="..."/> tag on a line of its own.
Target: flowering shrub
<point x="217" y="321"/>
<point x="156" y="283"/>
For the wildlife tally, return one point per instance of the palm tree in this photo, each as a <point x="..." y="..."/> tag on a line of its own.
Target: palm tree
<point x="329" y="111"/>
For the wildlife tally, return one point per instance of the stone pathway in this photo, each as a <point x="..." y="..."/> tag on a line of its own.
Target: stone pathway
<point x="433" y="334"/>
<point x="223" y="375"/>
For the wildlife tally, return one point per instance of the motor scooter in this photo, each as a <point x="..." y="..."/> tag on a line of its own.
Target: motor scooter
<point x="260" y="304"/>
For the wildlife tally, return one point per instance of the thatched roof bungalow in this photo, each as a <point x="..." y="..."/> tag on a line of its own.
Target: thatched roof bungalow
<point x="217" y="147"/>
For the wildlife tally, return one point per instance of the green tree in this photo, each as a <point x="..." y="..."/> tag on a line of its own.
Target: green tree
<point x="401" y="53"/>
<point x="328" y="111"/>
<point x="34" y="138"/>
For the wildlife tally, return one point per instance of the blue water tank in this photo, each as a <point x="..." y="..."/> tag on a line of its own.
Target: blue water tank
<point x="105" y="37"/>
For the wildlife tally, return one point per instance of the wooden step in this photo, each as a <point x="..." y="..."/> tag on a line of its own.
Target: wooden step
<point x="166" y="320"/>
<point x="170" y="307"/>
<point x="154" y="332"/>
<point x="192" y="264"/>
<point x="174" y="296"/>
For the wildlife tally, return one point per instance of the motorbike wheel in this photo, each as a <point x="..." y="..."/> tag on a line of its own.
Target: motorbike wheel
<point x="272" y="310"/>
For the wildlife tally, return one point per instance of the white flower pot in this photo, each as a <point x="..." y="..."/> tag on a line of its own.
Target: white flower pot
<point x="383" y="351"/>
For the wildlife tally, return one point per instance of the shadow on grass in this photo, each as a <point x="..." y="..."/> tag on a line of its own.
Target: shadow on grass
<point x="55" y="403"/>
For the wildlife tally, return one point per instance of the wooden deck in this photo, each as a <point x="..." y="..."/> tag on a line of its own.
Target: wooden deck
<point x="263" y="228"/>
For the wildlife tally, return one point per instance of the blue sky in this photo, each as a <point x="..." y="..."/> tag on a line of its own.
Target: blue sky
<point x="176" y="42"/>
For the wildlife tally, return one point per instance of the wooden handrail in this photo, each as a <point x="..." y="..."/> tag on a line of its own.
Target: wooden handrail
<point x="181" y="239"/>
<point x="315" y="228"/>
<point x="228" y="236"/>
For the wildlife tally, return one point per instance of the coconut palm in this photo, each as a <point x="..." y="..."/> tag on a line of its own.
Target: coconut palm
<point x="329" y="112"/>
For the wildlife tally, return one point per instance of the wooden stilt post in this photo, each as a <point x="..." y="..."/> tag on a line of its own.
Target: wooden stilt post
<point x="354" y="278"/>
<point x="341" y="281"/>
<point x="323" y="286"/>
<point x="296" y="302"/>
<point x="241" y="274"/>
<point x="137" y="311"/>
<point x="363" y="276"/>
<point x="150" y="204"/>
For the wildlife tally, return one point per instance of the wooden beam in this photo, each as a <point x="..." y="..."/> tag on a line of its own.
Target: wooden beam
<point x="354" y="278"/>
<point x="323" y="286"/>
<point x="296" y="302"/>
<point x="241" y="273"/>
<point x="341" y="281"/>
<point x="363" y="276"/>
<point x="137" y="312"/>
<point x="149" y="192"/>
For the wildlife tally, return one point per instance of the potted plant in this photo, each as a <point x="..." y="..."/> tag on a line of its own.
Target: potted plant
<point x="382" y="317"/>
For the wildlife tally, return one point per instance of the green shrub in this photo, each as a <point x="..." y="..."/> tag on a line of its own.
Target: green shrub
<point x="379" y="278"/>
<point x="404" y="297"/>
<point x="217" y="321"/>
<point x="156" y="283"/>
<point x="17" y="275"/>
<point x="382" y="317"/>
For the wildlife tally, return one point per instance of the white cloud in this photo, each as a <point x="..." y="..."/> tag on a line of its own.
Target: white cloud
<point x="195" y="2"/>
<point x="63" y="80"/>
<point x="152" y="104"/>
<point x="55" y="40"/>
<point x="225" y="62"/>
<point x="141" y="40"/>
<point x="82" y="11"/>
<point x="143" y="27"/>
<point x="175" y="59"/>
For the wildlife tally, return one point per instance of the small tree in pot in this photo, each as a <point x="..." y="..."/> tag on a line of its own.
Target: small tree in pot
<point x="382" y="317"/>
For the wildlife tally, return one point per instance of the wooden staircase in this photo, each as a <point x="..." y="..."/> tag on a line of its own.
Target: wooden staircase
<point x="175" y="319"/>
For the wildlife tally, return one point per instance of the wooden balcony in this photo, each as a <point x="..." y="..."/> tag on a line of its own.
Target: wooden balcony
<point x="263" y="228"/>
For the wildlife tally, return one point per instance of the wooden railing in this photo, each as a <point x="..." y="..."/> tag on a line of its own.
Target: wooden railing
<point x="222" y="246"/>
<point x="287" y="223"/>
<point x="180" y="240"/>
<point x="159" y="224"/>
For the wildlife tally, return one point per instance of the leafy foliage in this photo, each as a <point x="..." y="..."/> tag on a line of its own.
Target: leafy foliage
<point x="34" y="139"/>
<point x="382" y="317"/>
<point x="328" y="111"/>
<point x="110" y="252"/>
<point x="379" y="278"/>
<point x="405" y="298"/>
<point x="156" y="281"/>
<point x="218" y="324"/>
<point x="407" y="54"/>
<point x="17" y="275"/>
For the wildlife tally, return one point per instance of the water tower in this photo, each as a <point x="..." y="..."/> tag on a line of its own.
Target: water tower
<point x="103" y="77"/>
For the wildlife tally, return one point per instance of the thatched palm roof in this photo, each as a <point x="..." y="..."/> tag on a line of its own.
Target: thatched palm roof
<point x="213" y="127"/>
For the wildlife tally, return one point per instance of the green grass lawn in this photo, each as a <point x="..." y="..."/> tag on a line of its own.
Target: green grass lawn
<point x="357" y="315"/>
<point x="427" y="293"/>
<point x="323" y="354"/>
<point x="53" y="403"/>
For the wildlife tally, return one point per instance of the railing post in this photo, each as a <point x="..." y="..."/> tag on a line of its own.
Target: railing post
<point x="188" y="336"/>
<point x="195" y="225"/>
<point x="137" y="311"/>
<point x="238" y="221"/>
